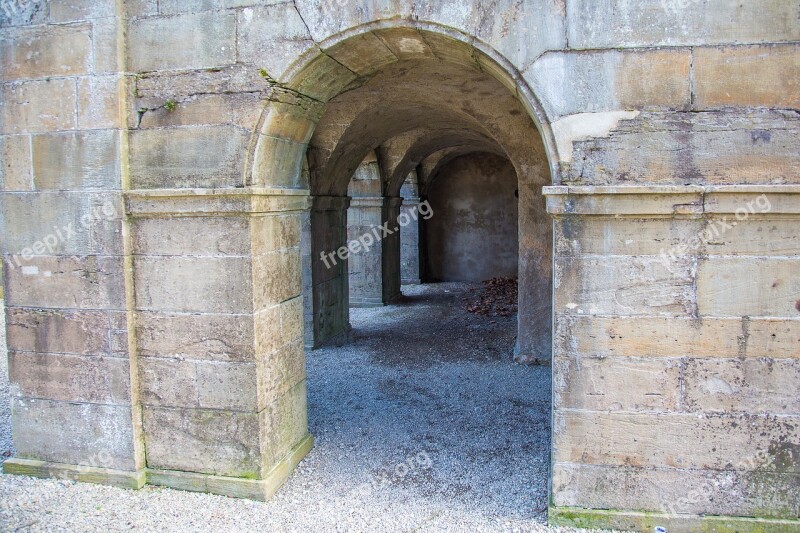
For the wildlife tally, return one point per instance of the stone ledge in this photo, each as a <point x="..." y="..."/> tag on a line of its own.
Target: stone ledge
<point x="84" y="474"/>
<point x="643" y="521"/>
<point x="689" y="201"/>
<point x="254" y="489"/>
<point x="376" y="202"/>
<point x="214" y="202"/>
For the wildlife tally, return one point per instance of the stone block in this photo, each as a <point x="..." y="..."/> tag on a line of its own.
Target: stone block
<point x="620" y="23"/>
<point x="624" y="286"/>
<point x="646" y="337"/>
<point x="168" y="383"/>
<point x="660" y="440"/>
<point x="73" y="433"/>
<point x="589" y="82"/>
<point x="174" y="7"/>
<point x="677" y="491"/>
<point x="70" y="378"/>
<point x="105" y="37"/>
<point x="272" y="37"/>
<point x="15" y="165"/>
<point x="772" y="338"/>
<point x="690" y="148"/>
<point x="228" y="386"/>
<point x="194" y="284"/>
<point x="676" y="337"/>
<point x="624" y="236"/>
<point x="79" y="10"/>
<point x="280" y="371"/>
<point x="747" y="286"/>
<point x="76" y="160"/>
<point x="38" y="224"/>
<point x="240" y="110"/>
<point x="203" y="157"/>
<point x="98" y="102"/>
<point x="617" y="384"/>
<point x="275" y="233"/>
<point x="205" y="336"/>
<point x="751" y="385"/>
<point x="748" y="76"/>
<point x="279" y="163"/>
<point x="44" y="51"/>
<point x="364" y="54"/>
<point x="207" y="441"/>
<point x="195" y="40"/>
<point x="268" y="338"/>
<point x="761" y="237"/>
<point x="276" y="278"/>
<point x="58" y="331"/>
<point x="192" y="236"/>
<point x="160" y="86"/>
<point x="83" y="282"/>
<point x="38" y="106"/>
<point x="519" y="32"/>
<point x="284" y="424"/>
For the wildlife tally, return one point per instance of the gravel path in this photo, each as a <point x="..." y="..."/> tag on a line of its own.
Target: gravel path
<point x="6" y="446"/>
<point x="422" y="423"/>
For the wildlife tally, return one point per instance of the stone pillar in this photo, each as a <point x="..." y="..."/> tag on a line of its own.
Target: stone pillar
<point x="391" y="250"/>
<point x="219" y="337"/>
<point x="329" y="285"/>
<point x="374" y="273"/>
<point x="410" y="265"/>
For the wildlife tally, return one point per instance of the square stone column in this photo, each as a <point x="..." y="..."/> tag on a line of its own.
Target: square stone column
<point x="219" y="336"/>
<point x="374" y="272"/>
<point x="410" y="264"/>
<point x="327" y="312"/>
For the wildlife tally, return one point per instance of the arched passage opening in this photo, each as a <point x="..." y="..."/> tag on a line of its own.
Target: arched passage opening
<point x="415" y="97"/>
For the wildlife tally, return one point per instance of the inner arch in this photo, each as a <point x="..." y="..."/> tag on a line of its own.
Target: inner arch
<point x="370" y="91"/>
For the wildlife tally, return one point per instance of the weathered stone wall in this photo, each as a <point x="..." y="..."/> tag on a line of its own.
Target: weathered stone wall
<point x="101" y="98"/>
<point x="62" y="141"/>
<point x="473" y="233"/>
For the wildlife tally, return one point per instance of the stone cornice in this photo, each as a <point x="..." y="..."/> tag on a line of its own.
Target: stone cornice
<point x="377" y="201"/>
<point x="672" y="200"/>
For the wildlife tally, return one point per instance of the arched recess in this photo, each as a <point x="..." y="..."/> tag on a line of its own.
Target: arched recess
<point x="316" y="110"/>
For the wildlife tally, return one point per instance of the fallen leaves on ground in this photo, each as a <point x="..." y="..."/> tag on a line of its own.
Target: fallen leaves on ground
<point x="496" y="297"/>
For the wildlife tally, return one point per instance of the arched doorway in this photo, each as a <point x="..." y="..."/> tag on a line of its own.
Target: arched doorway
<point x="412" y="94"/>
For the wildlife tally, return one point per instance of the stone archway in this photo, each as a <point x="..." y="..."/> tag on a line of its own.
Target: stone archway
<point x="246" y="443"/>
<point x="387" y="97"/>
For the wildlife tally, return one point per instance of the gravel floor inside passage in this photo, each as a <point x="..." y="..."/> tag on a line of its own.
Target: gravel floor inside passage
<point x="422" y="423"/>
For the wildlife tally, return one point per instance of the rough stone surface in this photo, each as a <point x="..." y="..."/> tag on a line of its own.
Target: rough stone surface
<point x="659" y="121"/>
<point x="472" y="234"/>
<point x="381" y="460"/>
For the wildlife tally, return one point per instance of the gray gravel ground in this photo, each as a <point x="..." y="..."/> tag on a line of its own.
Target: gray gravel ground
<point x="422" y="423"/>
<point x="6" y="446"/>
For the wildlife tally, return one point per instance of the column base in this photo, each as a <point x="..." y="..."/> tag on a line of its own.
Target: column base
<point x="86" y="474"/>
<point x="252" y="489"/>
<point x="525" y="358"/>
<point x="415" y="281"/>
<point x="360" y="303"/>
<point x="635" y="521"/>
